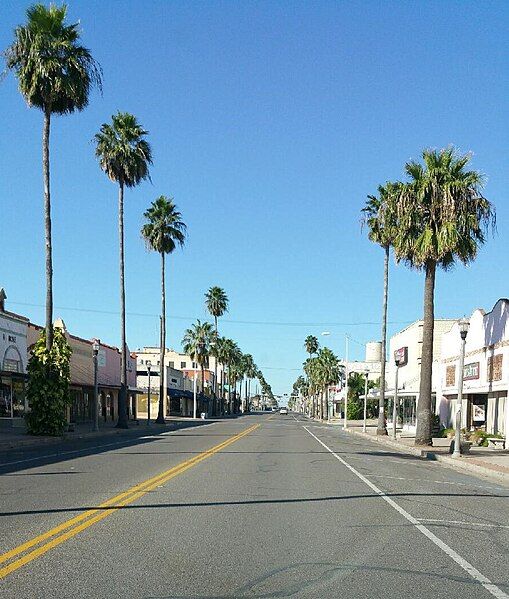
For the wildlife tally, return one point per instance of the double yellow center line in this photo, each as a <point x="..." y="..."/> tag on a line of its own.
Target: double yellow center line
<point x="41" y="544"/>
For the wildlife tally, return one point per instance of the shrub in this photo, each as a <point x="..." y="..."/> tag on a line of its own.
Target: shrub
<point x="48" y="385"/>
<point x="447" y="433"/>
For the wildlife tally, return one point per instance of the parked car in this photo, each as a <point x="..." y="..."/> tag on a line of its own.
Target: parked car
<point x="283" y="411"/>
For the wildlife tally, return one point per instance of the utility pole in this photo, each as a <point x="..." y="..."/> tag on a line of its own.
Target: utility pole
<point x="345" y="425"/>
<point x="365" y="401"/>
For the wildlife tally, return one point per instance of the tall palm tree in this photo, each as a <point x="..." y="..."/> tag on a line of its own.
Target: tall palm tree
<point x="163" y="231"/>
<point x="232" y="357"/>
<point x="250" y="373"/>
<point x="443" y="217"/>
<point x="329" y="372"/>
<point x="197" y="342"/>
<point x="124" y="155"/>
<point x="311" y="345"/>
<point x="380" y="218"/>
<point x="220" y="352"/>
<point x="216" y="302"/>
<point x="55" y="74"/>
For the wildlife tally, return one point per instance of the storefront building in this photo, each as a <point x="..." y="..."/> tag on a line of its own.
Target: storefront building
<point x="81" y="388"/>
<point x="485" y="376"/>
<point x="408" y="345"/>
<point x="13" y="362"/>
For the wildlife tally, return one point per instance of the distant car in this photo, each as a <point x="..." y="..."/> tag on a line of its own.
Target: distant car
<point x="283" y="411"/>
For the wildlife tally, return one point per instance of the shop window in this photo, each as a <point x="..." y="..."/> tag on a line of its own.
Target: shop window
<point x="495" y="368"/>
<point x="18" y="399"/>
<point x="5" y="399"/>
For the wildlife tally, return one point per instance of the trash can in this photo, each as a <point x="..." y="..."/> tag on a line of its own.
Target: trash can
<point x="203" y="415"/>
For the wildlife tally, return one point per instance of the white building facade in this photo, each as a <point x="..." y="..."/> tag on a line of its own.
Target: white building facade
<point x="13" y="363"/>
<point x="485" y="376"/>
<point x="409" y="343"/>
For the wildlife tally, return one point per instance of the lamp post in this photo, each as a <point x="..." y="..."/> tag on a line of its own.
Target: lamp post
<point x="194" y="394"/>
<point x="149" y="368"/>
<point x="365" y="400"/>
<point x="397" y="359"/>
<point x="95" y="352"/>
<point x="463" y="325"/>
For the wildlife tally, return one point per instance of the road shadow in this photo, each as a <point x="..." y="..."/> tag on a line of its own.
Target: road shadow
<point x="213" y="504"/>
<point x="16" y="459"/>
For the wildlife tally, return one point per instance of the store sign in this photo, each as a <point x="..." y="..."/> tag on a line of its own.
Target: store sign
<point x="401" y="356"/>
<point x="471" y="371"/>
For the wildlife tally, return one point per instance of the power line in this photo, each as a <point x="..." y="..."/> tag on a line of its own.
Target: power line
<point x="228" y="320"/>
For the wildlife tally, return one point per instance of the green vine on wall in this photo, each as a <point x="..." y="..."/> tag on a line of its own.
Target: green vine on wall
<point x="49" y="375"/>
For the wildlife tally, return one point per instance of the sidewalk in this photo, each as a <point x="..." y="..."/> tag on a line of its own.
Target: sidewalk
<point x="18" y="438"/>
<point x="481" y="461"/>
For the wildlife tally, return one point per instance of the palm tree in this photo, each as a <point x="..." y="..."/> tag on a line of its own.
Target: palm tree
<point x="250" y="373"/>
<point x="328" y="372"/>
<point x="311" y="345"/>
<point x="197" y="342"/>
<point x="216" y="302"/>
<point x="379" y="216"/>
<point x="55" y="74"/>
<point x="232" y="355"/>
<point x="163" y="231"/>
<point x="220" y="353"/>
<point x="124" y="155"/>
<point x="443" y="217"/>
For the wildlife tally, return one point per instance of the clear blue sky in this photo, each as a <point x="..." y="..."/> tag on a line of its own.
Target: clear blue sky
<point x="270" y="123"/>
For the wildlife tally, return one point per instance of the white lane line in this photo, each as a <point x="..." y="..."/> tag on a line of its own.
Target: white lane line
<point x="481" y="524"/>
<point x="462" y="562"/>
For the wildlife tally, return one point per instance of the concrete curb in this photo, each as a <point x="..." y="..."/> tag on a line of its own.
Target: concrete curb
<point x="460" y="464"/>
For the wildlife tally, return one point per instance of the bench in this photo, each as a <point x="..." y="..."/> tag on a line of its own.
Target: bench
<point x="495" y="442"/>
<point x="441" y="442"/>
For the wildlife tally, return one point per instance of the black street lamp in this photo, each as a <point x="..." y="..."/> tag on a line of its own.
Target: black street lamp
<point x="463" y="325"/>
<point x="149" y="368"/>
<point x="95" y="351"/>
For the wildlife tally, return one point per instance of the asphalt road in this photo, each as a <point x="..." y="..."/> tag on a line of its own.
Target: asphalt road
<point x="261" y="506"/>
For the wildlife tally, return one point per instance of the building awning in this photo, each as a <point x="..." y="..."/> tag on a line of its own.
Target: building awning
<point x="180" y="393"/>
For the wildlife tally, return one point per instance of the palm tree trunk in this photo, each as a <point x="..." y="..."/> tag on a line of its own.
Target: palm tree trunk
<point x="47" y="226"/>
<point x="245" y="396"/>
<point x="215" y="404"/>
<point x="202" y="379"/>
<point x="122" y="397"/>
<point x="221" y="408"/>
<point x="382" y="428"/>
<point x="160" y="413"/>
<point x="423" y="431"/>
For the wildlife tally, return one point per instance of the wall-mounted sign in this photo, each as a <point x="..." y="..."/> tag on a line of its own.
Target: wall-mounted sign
<point x="471" y="371"/>
<point x="101" y="358"/>
<point x="495" y="367"/>
<point x="450" y="376"/>
<point x="479" y="413"/>
<point x="401" y="356"/>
